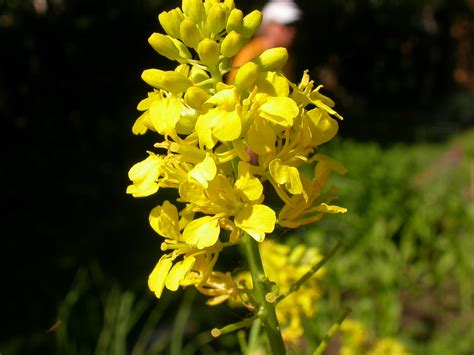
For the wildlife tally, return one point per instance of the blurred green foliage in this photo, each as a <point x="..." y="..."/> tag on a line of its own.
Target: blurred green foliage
<point x="406" y="268"/>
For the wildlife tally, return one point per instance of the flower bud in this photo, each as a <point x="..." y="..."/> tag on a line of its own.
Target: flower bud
<point x="164" y="45"/>
<point x="189" y="33"/>
<point x="234" y="21"/>
<point x="197" y="75"/>
<point x="246" y="76"/>
<point x="195" y="97"/>
<point x="272" y="59"/>
<point x="230" y="4"/>
<point x="216" y="19"/>
<point x="231" y="44"/>
<point x="183" y="69"/>
<point x="251" y="23"/>
<point x="183" y="50"/>
<point x="170" y="21"/>
<point x="166" y="80"/>
<point x="208" y="51"/>
<point x="194" y="9"/>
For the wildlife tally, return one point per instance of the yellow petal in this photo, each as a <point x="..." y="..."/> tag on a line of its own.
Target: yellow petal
<point x="202" y="232"/>
<point x="248" y="185"/>
<point x="228" y="127"/>
<point x="203" y="172"/>
<point x="140" y="126"/>
<point x="164" y="220"/>
<point x="164" y="114"/>
<point x="323" y="127"/>
<point x="144" y="176"/>
<point x="280" y="110"/>
<point x="330" y="208"/>
<point x="256" y="220"/>
<point x="261" y="137"/>
<point x="178" y="273"/>
<point x="156" y="280"/>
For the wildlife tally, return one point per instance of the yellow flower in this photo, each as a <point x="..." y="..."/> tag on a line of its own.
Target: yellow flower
<point x="388" y="346"/>
<point x="222" y="146"/>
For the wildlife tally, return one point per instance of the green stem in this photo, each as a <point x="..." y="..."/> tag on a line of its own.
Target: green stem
<point x="265" y="310"/>
<point x="253" y="337"/>
<point x="330" y="334"/>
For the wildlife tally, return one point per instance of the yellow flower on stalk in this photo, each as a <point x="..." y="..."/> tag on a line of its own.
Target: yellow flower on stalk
<point x="224" y="147"/>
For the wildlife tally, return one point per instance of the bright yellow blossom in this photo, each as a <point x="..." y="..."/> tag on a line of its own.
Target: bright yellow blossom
<point x="225" y="147"/>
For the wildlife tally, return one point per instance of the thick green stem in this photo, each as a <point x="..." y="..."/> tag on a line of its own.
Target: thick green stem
<point x="265" y="310"/>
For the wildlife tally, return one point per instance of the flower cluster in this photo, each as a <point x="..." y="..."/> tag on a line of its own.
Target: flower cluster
<point x="222" y="144"/>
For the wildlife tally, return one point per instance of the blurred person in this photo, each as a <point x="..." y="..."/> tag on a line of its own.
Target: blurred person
<point x="278" y="29"/>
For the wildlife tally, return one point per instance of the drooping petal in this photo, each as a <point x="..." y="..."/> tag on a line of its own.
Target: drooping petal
<point x="157" y="278"/>
<point x="178" y="273"/>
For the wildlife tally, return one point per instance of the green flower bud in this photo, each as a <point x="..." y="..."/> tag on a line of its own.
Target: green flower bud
<point x="234" y="21"/>
<point x="195" y="97"/>
<point x="272" y="59"/>
<point x="166" y="80"/>
<point x="164" y="45"/>
<point x="197" y="75"/>
<point x="231" y="44"/>
<point x="251" y="23"/>
<point x="246" y="76"/>
<point x="190" y="33"/>
<point x="216" y="19"/>
<point x="194" y="9"/>
<point x="170" y="21"/>
<point x="208" y="51"/>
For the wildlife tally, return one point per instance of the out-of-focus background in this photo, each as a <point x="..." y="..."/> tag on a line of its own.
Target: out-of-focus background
<point x="76" y="251"/>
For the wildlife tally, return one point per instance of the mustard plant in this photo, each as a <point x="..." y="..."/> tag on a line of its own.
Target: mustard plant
<point x="224" y="147"/>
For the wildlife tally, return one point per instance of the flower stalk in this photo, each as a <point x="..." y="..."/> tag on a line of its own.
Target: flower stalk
<point x="265" y="310"/>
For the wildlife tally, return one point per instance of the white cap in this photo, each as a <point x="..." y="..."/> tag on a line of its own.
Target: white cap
<point x="281" y="11"/>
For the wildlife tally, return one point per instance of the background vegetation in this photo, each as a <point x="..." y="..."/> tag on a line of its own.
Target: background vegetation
<point x="76" y="251"/>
